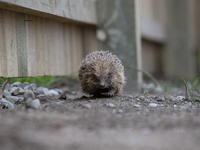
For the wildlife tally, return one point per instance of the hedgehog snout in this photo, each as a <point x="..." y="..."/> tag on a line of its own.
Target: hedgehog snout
<point x="102" y="85"/>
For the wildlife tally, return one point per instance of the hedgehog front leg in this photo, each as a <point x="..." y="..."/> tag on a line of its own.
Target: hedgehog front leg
<point x="110" y="93"/>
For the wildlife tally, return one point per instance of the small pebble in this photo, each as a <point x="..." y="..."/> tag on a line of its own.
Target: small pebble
<point x="26" y="83"/>
<point x="158" y="89"/>
<point x="6" y="93"/>
<point x="7" y="104"/>
<point x="136" y="106"/>
<point x="90" y="101"/>
<point x="42" y="90"/>
<point x="29" y="95"/>
<point x="180" y="98"/>
<point x="146" y="100"/>
<point x="189" y="104"/>
<point x="88" y="106"/>
<point x="52" y="92"/>
<point x="141" y="98"/>
<point x="175" y="106"/>
<point x="183" y="108"/>
<point x="111" y="105"/>
<point x="34" y="86"/>
<point x="59" y="91"/>
<point x="16" y="84"/>
<point x="63" y="96"/>
<point x="161" y="99"/>
<point x="127" y="99"/>
<point x="17" y="91"/>
<point x="55" y="104"/>
<point x="28" y="87"/>
<point x="153" y="105"/>
<point x="15" y="99"/>
<point x="35" y="104"/>
<point x="36" y="93"/>
<point x="120" y="111"/>
<point x="40" y="96"/>
<point x="130" y="96"/>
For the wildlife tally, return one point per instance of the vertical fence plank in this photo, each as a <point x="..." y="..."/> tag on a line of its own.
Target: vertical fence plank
<point x="39" y="46"/>
<point x="46" y="42"/>
<point x="76" y="51"/>
<point x="180" y="61"/>
<point x="10" y="43"/>
<point x="30" y="42"/>
<point x="3" y="54"/>
<point x="59" y="49"/>
<point x="120" y="24"/>
<point x="67" y="48"/>
<point x="89" y="40"/>
<point x="21" y="45"/>
<point x="79" y="48"/>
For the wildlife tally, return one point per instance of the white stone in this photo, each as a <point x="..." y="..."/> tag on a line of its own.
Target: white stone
<point x="153" y="105"/>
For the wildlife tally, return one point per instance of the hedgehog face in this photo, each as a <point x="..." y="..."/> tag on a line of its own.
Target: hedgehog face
<point x="101" y="73"/>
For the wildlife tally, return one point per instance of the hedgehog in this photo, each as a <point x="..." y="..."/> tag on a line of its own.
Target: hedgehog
<point x="101" y="74"/>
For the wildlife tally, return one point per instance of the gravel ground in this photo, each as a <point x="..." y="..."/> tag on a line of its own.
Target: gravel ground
<point x="61" y="119"/>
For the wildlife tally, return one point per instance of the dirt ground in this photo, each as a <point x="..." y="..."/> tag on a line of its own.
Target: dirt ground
<point x="103" y="123"/>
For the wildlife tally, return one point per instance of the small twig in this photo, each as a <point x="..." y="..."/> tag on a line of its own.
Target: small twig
<point x="3" y="87"/>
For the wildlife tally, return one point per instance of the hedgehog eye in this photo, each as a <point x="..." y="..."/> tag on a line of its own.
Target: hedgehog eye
<point x="83" y="68"/>
<point x="108" y="76"/>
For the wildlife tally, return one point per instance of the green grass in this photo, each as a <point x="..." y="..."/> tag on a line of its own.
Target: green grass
<point x="145" y="73"/>
<point x="146" y="92"/>
<point x="189" y="90"/>
<point x="40" y="81"/>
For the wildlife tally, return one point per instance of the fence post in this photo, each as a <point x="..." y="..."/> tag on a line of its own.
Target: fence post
<point x="180" y="46"/>
<point x="118" y="32"/>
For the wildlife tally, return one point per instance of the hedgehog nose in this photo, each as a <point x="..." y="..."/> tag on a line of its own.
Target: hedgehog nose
<point x="102" y="85"/>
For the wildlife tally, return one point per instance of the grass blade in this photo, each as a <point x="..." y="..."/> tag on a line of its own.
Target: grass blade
<point x="194" y="84"/>
<point x="186" y="89"/>
<point x="146" y="73"/>
<point x="146" y="92"/>
<point x="196" y="98"/>
<point x="9" y="99"/>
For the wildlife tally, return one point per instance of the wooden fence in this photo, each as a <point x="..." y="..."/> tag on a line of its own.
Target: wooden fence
<point x="41" y="38"/>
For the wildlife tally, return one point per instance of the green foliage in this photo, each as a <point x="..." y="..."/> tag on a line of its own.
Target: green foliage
<point x="167" y="89"/>
<point x="188" y="91"/>
<point x="146" y="92"/>
<point x="196" y="98"/>
<point x="41" y="81"/>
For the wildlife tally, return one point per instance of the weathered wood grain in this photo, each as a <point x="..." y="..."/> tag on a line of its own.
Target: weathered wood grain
<point x="21" y="45"/>
<point x="123" y="36"/>
<point x="39" y="46"/>
<point x="67" y="48"/>
<point x="75" y="48"/>
<point x="46" y="46"/>
<point x="66" y="10"/>
<point x="3" y="54"/>
<point x="30" y="44"/>
<point x="10" y="43"/>
<point x="89" y="40"/>
<point x="35" y="46"/>
<point x="180" y="45"/>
